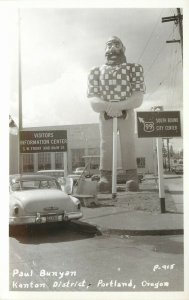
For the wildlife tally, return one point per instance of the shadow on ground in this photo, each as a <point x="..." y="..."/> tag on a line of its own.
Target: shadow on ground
<point x="53" y="233"/>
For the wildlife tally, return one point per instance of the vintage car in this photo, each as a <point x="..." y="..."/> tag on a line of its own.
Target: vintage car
<point x="53" y="173"/>
<point x="81" y="171"/>
<point x="40" y="199"/>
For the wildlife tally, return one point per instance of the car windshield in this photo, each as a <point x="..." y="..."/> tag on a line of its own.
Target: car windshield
<point x="34" y="185"/>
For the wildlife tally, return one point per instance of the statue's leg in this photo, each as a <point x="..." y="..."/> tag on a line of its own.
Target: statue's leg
<point x="128" y="152"/>
<point x="106" y="149"/>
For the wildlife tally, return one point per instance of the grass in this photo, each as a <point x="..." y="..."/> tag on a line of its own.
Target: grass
<point x="147" y="199"/>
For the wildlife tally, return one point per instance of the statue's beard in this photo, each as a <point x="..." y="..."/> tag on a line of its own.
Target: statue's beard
<point x="115" y="58"/>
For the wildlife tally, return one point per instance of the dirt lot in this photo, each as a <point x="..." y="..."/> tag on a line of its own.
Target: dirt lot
<point x="147" y="199"/>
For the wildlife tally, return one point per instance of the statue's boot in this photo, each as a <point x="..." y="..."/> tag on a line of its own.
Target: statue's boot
<point x="132" y="181"/>
<point x="105" y="183"/>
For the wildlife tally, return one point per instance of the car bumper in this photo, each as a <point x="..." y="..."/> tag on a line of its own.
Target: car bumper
<point x="43" y="219"/>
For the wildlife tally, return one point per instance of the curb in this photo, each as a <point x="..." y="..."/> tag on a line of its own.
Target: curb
<point x="95" y="229"/>
<point x="132" y="232"/>
<point x="85" y="227"/>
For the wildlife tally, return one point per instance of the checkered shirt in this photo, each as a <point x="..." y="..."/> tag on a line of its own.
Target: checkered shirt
<point x="112" y="83"/>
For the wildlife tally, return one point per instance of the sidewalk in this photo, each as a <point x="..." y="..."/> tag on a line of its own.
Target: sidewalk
<point x="138" y="213"/>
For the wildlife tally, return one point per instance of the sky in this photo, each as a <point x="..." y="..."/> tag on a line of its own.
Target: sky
<point x="59" y="47"/>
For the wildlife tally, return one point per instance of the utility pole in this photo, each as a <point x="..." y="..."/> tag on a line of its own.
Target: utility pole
<point x="180" y="18"/>
<point x="178" y="21"/>
<point x="19" y="90"/>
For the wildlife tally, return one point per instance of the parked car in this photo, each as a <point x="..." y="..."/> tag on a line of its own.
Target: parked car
<point x="59" y="175"/>
<point x="68" y="183"/>
<point x="54" y="173"/>
<point x="81" y="171"/>
<point x="40" y="199"/>
<point x="75" y="178"/>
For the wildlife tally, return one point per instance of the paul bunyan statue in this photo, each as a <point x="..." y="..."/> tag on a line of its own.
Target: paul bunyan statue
<point x="115" y="89"/>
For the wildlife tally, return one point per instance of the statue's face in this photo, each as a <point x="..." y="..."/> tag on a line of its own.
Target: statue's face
<point x="114" y="47"/>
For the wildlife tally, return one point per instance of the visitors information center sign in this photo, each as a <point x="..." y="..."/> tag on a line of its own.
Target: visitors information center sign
<point x="43" y="141"/>
<point x="159" y="124"/>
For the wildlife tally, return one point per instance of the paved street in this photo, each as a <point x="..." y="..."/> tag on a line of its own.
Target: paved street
<point x="59" y="258"/>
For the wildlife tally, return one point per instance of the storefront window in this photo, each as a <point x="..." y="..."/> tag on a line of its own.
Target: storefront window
<point x="28" y="163"/>
<point x="44" y="161"/>
<point x="59" y="160"/>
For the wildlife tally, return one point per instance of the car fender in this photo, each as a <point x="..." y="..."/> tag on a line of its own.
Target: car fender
<point x="15" y="201"/>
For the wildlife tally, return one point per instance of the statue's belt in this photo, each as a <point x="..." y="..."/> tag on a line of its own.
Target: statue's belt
<point x="123" y="116"/>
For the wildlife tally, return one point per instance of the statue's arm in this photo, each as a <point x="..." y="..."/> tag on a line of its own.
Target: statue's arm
<point x="99" y="105"/>
<point x="93" y="92"/>
<point x="134" y="101"/>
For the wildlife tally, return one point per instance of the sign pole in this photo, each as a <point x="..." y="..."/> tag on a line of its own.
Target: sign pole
<point x="19" y="90"/>
<point x="159" y="124"/>
<point x="160" y="174"/>
<point x="65" y="164"/>
<point x="114" y="162"/>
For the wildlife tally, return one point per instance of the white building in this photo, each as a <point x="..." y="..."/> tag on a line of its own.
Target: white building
<point x="82" y="140"/>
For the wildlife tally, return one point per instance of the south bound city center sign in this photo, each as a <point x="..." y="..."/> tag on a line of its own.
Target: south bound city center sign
<point x="43" y="141"/>
<point x="158" y="124"/>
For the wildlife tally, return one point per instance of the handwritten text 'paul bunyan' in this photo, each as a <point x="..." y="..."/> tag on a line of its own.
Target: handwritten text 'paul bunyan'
<point x="44" y="273"/>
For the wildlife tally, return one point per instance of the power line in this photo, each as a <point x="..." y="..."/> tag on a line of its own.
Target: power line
<point x="167" y="76"/>
<point x="177" y="19"/>
<point x="172" y="11"/>
<point x="172" y="76"/>
<point x="153" y="62"/>
<point x="157" y="22"/>
<point x="176" y="76"/>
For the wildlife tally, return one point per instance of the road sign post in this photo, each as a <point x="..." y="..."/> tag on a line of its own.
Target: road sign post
<point x="114" y="162"/>
<point x="159" y="124"/>
<point x="160" y="174"/>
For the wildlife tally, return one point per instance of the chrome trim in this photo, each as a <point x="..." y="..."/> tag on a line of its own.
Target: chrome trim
<point x="73" y="215"/>
<point x="50" y="208"/>
<point x="39" y="218"/>
<point x="22" y="220"/>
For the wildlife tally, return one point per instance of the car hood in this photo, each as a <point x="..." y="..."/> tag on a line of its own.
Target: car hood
<point x="43" y="200"/>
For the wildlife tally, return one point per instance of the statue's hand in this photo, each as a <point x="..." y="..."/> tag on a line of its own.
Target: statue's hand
<point x="115" y="114"/>
<point x="113" y="110"/>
